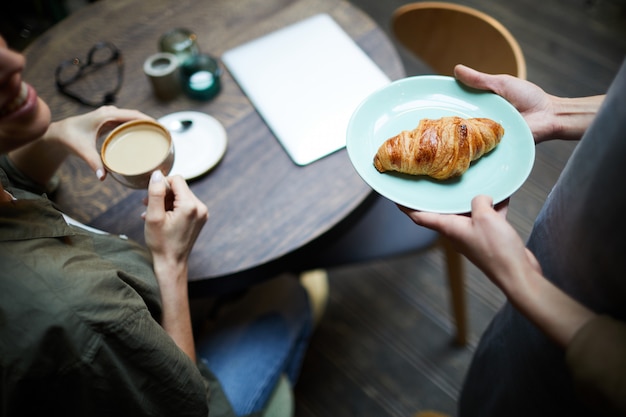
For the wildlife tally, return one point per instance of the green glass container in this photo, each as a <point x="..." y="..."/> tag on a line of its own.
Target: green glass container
<point x="200" y="77"/>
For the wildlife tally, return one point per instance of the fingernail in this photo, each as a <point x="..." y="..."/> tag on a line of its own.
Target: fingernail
<point x="157" y="176"/>
<point x="100" y="173"/>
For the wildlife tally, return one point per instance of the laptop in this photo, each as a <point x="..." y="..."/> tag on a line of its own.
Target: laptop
<point x="305" y="80"/>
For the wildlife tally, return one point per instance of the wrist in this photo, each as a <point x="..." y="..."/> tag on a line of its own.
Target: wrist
<point x="572" y="116"/>
<point x="524" y="289"/>
<point x="52" y="139"/>
<point x="164" y="267"/>
<point x="556" y="314"/>
<point x="170" y="273"/>
<point x="53" y="132"/>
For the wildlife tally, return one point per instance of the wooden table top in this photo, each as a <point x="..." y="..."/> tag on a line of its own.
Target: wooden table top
<point x="262" y="206"/>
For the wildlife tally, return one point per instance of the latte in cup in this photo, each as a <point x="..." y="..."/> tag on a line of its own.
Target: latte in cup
<point x="133" y="150"/>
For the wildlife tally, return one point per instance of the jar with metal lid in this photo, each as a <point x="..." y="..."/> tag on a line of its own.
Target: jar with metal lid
<point x="180" y="42"/>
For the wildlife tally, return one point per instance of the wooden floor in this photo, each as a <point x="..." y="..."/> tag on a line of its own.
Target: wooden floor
<point x="384" y="347"/>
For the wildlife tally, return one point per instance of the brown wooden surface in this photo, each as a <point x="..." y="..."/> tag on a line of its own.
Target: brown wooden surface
<point x="262" y="206"/>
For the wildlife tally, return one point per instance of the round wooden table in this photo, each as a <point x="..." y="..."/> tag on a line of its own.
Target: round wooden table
<point x="262" y="206"/>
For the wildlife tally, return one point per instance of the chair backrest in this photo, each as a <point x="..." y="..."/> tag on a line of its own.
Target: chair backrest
<point x="445" y="34"/>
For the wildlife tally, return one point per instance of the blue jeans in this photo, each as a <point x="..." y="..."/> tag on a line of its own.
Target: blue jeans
<point x="255" y="339"/>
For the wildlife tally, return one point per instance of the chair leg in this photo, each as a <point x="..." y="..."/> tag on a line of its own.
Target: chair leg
<point x="454" y="262"/>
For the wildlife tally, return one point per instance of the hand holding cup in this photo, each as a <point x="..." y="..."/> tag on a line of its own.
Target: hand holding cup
<point x="134" y="150"/>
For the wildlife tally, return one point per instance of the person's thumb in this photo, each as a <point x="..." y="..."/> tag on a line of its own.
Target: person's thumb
<point x="157" y="190"/>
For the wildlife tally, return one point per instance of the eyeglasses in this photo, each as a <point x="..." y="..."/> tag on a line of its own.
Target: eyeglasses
<point x="75" y="79"/>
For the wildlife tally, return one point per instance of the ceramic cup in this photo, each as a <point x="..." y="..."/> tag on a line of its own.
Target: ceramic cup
<point x="133" y="150"/>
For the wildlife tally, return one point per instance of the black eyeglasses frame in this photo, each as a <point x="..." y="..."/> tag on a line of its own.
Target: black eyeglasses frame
<point x="87" y="67"/>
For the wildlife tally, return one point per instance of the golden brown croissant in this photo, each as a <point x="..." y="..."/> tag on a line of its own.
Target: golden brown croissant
<point x="441" y="148"/>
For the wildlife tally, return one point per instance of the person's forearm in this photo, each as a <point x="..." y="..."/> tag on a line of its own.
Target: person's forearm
<point x="41" y="159"/>
<point x="176" y="320"/>
<point x="572" y="116"/>
<point x="559" y="316"/>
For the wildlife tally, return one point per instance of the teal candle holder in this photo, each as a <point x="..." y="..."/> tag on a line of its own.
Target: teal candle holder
<point x="200" y="77"/>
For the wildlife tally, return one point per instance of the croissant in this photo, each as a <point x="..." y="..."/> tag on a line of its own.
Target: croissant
<point x="441" y="148"/>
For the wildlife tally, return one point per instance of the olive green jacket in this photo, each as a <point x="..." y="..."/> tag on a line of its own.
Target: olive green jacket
<point x="79" y="323"/>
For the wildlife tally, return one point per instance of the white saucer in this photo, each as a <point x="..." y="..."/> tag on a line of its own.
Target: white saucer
<point x="200" y="147"/>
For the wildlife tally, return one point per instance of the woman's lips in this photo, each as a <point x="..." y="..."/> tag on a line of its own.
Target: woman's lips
<point x="24" y="101"/>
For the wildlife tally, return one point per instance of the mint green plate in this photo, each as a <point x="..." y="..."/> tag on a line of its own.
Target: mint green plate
<point x="400" y="106"/>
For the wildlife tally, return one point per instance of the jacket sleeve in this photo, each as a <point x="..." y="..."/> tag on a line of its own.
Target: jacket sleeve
<point x="148" y="373"/>
<point x="134" y="371"/>
<point x="597" y="360"/>
<point x="141" y="365"/>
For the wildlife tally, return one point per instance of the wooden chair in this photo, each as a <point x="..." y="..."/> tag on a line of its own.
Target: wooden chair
<point x="444" y="34"/>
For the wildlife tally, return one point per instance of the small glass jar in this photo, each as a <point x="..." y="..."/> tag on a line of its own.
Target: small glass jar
<point x="200" y="77"/>
<point x="180" y="42"/>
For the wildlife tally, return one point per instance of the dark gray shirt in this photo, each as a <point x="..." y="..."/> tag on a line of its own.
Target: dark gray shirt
<point x="578" y="239"/>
